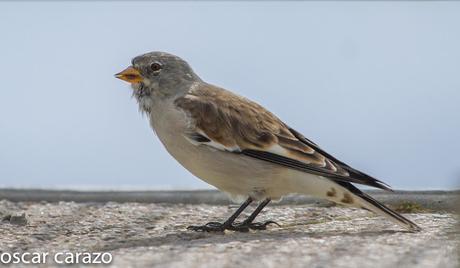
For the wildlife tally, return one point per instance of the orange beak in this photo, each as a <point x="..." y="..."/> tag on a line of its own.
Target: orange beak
<point x="130" y="75"/>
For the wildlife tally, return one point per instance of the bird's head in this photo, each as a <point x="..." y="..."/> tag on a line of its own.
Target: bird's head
<point x="158" y="75"/>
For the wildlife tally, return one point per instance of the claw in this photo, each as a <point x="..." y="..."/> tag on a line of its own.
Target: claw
<point x="208" y="227"/>
<point x="272" y="222"/>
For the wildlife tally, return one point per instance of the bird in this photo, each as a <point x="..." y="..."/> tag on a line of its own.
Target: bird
<point x="239" y="147"/>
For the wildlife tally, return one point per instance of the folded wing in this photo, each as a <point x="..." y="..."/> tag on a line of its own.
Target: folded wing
<point x="228" y="122"/>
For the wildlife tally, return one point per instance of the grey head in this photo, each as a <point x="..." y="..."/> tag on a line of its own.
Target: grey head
<point x="159" y="75"/>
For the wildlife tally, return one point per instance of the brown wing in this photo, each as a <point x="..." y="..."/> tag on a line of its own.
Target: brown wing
<point x="233" y="123"/>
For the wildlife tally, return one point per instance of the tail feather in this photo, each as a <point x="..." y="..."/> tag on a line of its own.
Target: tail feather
<point x="383" y="210"/>
<point x="375" y="206"/>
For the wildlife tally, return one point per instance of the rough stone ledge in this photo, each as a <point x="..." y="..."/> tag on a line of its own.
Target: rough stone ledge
<point x="432" y="200"/>
<point x="155" y="235"/>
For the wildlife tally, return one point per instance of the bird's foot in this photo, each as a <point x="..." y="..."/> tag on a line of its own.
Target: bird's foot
<point x="238" y="227"/>
<point x="210" y="227"/>
<point x="245" y="226"/>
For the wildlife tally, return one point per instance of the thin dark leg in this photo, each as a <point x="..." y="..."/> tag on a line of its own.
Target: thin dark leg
<point x="256" y="212"/>
<point x="237" y="213"/>
<point x="248" y="223"/>
<point x="220" y="227"/>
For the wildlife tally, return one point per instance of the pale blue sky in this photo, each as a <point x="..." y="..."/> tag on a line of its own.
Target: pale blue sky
<point x="375" y="83"/>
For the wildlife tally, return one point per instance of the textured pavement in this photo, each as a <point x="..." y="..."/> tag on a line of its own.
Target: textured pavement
<point x="155" y="235"/>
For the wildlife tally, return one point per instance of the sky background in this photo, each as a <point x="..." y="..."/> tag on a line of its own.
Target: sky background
<point x="377" y="84"/>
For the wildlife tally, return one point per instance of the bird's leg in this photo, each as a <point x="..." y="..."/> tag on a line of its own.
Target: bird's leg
<point x="220" y="227"/>
<point x="249" y="224"/>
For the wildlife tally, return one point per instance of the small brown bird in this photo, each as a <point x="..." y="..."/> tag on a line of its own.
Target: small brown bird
<point x="238" y="146"/>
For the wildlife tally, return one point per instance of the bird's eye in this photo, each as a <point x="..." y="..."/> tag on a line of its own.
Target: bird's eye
<point x="155" y="66"/>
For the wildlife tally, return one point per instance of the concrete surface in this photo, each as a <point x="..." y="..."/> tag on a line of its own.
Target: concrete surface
<point x="155" y="235"/>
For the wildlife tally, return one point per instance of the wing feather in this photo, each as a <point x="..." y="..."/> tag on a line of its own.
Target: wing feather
<point x="235" y="124"/>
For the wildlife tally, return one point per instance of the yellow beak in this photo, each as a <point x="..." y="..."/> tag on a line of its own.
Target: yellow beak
<point x="130" y="75"/>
